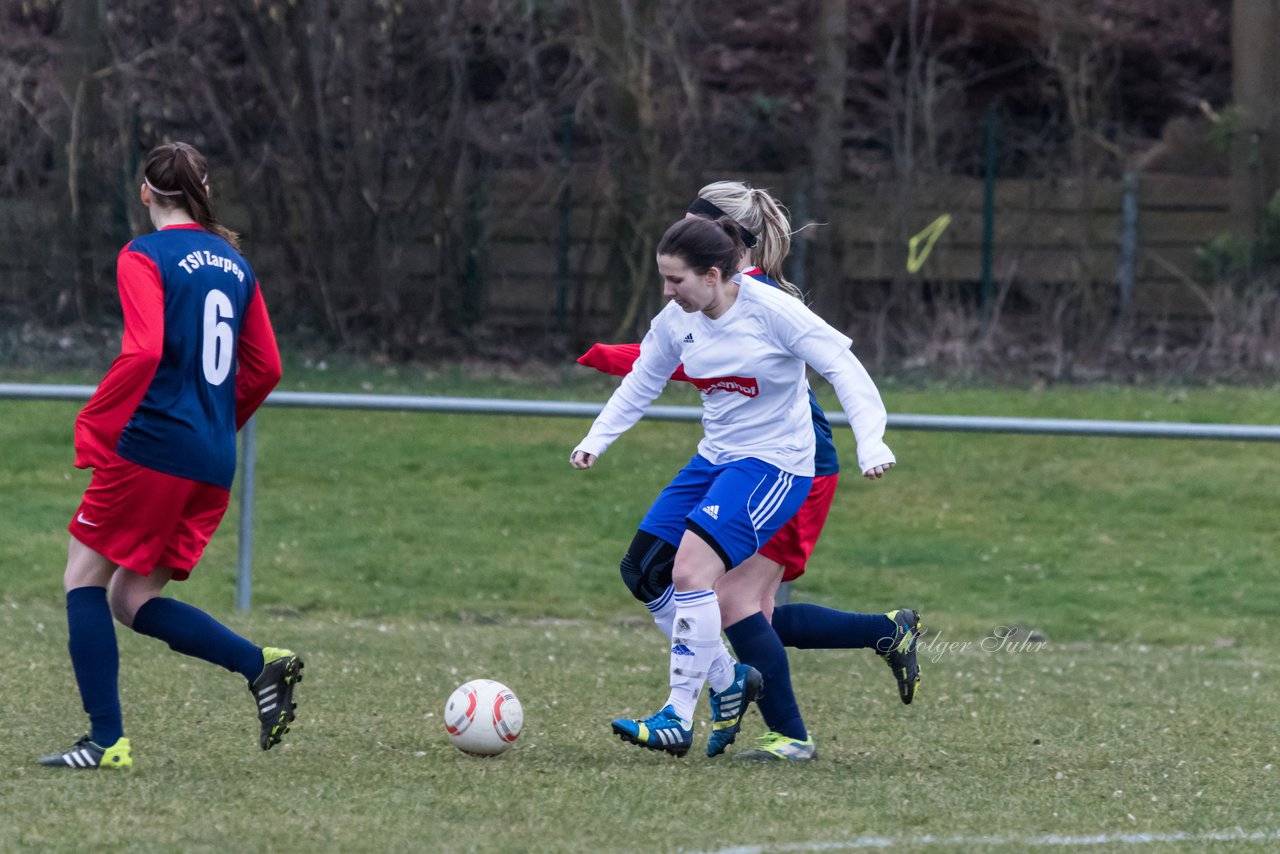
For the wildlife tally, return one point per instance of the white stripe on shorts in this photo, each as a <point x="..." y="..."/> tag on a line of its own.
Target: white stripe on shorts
<point x="768" y="498"/>
<point x="772" y="501"/>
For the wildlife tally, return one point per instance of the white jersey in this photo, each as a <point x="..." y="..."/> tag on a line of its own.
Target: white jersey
<point x="749" y="364"/>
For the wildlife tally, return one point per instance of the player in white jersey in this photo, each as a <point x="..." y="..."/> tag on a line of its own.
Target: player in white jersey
<point x="758" y="629"/>
<point x="745" y="345"/>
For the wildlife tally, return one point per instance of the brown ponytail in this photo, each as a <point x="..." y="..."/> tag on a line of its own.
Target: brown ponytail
<point x="178" y="176"/>
<point x="703" y="244"/>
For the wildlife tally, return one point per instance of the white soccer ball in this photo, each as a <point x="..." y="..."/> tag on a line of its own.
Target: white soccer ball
<point x="483" y="717"/>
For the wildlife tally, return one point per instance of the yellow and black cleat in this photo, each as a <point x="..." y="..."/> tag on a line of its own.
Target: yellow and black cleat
<point x="899" y="651"/>
<point x="273" y="692"/>
<point x="86" y="755"/>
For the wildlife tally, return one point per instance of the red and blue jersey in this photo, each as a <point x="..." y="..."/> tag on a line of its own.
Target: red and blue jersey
<point x="198" y="357"/>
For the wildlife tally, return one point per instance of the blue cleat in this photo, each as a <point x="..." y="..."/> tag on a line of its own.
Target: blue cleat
<point x="729" y="705"/>
<point x="662" y="730"/>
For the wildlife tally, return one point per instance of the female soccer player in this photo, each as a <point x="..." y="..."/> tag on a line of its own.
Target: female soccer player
<point x="197" y="358"/>
<point x="747" y="595"/>
<point x="745" y="345"/>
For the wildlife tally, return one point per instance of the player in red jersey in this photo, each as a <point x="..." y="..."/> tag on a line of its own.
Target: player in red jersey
<point x="198" y="357"/>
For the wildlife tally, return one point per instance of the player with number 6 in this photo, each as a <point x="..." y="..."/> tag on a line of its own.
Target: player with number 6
<point x="197" y="358"/>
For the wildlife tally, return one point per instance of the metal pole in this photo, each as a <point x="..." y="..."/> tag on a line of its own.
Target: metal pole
<point x="248" y="464"/>
<point x="568" y="409"/>
<point x="564" y="241"/>
<point x="987" y="295"/>
<point x="799" y="267"/>
<point x="571" y="409"/>
<point x="1128" y="271"/>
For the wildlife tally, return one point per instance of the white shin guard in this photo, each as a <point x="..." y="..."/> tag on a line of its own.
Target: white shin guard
<point x="663" y="611"/>
<point x="695" y="646"/>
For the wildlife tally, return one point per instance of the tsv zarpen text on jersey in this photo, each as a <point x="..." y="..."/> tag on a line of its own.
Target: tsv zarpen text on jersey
<point x="205" y="258"/>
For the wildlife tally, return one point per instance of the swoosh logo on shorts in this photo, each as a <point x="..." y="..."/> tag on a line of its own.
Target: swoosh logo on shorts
<point x="83" y="521"/>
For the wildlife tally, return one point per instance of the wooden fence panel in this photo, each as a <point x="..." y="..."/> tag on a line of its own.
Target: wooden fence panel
<point x="1044" y="232"/>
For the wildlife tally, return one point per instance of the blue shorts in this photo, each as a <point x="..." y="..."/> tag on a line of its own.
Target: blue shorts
<point x="736" y="506"/>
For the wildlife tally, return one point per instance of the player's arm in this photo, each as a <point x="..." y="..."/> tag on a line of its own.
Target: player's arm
<point x="861" y="401"/>
<point x="99" y="424"/>
<point x="258" y="359"/>
<point x="827" y="351"/>
<point x="630" y="399"/>
<point x="618" y="359"/>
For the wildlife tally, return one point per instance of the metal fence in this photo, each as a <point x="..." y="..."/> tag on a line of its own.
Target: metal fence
<point x="565" y="409"/>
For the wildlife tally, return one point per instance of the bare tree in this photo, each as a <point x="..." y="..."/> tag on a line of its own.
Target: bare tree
<point x="826" y="151"/>
<point x="620" y="35"/>
<point x="1255" y="154"/>
<point x="74" y="133"/>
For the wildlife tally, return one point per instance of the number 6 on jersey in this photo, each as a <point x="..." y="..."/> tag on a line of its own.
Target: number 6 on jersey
<point x="218" y="337"/>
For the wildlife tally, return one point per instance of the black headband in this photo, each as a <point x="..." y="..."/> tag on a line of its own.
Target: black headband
<point x="702" y="207"/>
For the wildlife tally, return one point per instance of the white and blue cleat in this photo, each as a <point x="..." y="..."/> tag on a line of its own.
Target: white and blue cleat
<point x="663" y="730"/>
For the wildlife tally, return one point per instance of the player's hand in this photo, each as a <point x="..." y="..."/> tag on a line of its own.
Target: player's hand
<point x="877" y="472"/>
<point x="582" y="460"/>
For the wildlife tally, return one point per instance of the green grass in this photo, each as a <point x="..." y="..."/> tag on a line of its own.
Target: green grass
<point x="1079" y="738"/>
<point x="405" y="553"/>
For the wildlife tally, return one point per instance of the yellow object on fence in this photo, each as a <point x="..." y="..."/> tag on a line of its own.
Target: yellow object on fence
<point x="919" y="247"/>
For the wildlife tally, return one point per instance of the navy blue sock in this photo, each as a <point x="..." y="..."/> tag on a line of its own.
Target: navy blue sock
<point x="96" y="661"/>
<point x="806" y="626"/>
<point x="191" y="631"/>
<point x="755" y="643"/>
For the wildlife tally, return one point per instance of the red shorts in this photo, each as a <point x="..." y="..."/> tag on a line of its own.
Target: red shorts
<point x="794" y="542"/>
<point x="140" y="518"/>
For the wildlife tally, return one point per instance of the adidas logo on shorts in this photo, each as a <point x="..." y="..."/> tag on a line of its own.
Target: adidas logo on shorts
<point x="712" y="510"/>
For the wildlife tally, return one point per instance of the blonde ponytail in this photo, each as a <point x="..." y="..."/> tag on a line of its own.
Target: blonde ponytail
<point x="762" y="215"/>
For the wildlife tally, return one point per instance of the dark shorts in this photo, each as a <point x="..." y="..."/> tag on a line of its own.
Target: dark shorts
<point x="794" y="542"/>
<point x="139" y="518"/>
<point x="739" y="506"/>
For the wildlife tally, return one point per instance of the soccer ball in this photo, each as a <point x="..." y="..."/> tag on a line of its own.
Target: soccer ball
<point x="483" y="717"/>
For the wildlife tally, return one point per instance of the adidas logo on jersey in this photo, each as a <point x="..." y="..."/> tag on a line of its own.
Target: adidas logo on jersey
<point x="688" y="339"/>
<point x="712" y="510"/>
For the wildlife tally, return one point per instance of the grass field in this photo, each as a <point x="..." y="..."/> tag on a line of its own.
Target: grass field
<point x="405" y="553"/>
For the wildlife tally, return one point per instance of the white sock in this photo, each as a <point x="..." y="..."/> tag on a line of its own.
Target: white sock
<point x="720" y="676"/>
<point x="663" y="610"/>
<point x="695" y="642"/>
